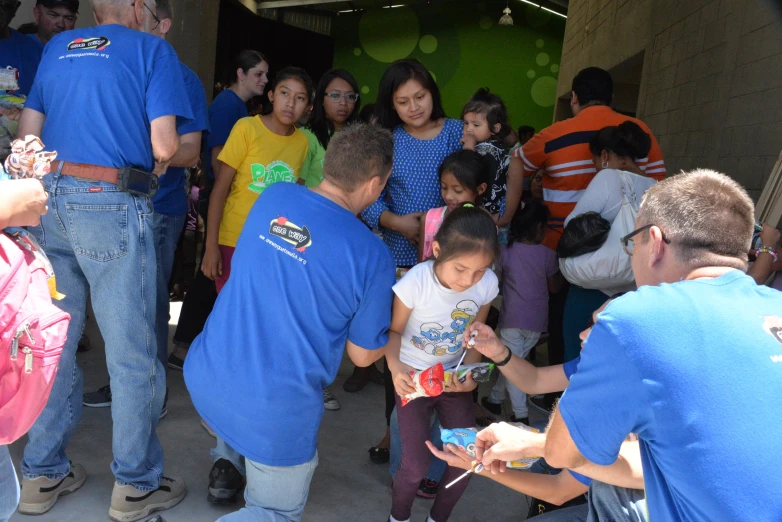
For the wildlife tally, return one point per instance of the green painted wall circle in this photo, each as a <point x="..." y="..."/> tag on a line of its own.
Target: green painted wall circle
<point x="544" y="91"/>
<point x="428" y="44"/>
<point x="389" y="34"/>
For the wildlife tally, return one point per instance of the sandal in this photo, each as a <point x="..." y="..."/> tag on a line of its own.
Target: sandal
<point x="379" y="455"/>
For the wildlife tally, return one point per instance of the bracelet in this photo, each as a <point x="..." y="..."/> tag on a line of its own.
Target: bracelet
<point x="506" y="360"/>
<point x="767" y="250"/>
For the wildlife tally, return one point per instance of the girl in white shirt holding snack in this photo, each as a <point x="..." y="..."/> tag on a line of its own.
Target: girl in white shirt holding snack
<point x="434" y="304"/>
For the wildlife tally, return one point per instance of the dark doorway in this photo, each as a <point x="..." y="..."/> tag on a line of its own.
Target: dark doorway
<point x="239" y="28"/>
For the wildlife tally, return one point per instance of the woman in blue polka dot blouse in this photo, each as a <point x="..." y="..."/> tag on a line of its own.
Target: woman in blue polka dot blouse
<point x="408" y="102"/>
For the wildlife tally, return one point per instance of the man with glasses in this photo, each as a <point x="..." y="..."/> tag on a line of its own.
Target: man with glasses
<point x="170" y="202"/>
<point x="17" y="52"/>
<point x="679" y="360"/>
<point x="107" y="99"/>
<point x="53" y="17"/>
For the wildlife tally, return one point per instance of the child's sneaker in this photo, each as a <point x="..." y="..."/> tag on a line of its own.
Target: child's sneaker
<point x="329" y="401"/>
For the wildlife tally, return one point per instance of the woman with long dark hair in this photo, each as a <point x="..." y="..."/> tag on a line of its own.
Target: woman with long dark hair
<point x="335" y="105"/>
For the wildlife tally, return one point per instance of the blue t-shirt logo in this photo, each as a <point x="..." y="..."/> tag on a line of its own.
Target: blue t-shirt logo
<point x="773" y="325"/>
<point x="297" y="236"/>
<point x="80" y="44"/>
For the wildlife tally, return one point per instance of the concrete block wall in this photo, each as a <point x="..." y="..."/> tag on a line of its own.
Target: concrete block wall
<point x="711" y="87"/>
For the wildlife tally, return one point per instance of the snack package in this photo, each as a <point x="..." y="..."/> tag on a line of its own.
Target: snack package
<point x="464" y="439"/>
<point x="481" y="372"/>
<point x="12" y="101"/>
<point x="9" y="79"/>
<point x="428" y="383"/>
<point x="28" y="159"/>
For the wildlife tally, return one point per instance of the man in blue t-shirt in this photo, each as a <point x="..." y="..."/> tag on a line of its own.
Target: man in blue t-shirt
<point x="310" y="281"/>
<point x="53" y="17"/>
<point x="16" y="50"/>
<point x="105" y="98"/>
<point x="170" y="202"/>
<point x="615" y="494"/>
<point x="697" y="339"/>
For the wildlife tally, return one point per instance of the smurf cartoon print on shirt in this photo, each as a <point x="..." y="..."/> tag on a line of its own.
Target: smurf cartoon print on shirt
<point x="438" y="340"/>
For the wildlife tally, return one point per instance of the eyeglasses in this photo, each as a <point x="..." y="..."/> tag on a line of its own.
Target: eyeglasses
<point x="350" y="97"/>
<point x="628" y="243"/>
<point x="157" y="20"/>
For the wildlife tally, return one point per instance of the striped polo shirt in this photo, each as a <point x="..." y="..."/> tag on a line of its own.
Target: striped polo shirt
<point x="563" y="151"/>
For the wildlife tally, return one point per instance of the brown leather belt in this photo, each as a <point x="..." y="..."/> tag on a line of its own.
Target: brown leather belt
<point x="84" y="170"/>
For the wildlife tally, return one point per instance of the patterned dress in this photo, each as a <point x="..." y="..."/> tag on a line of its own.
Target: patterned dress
<point x="413" y="185"/>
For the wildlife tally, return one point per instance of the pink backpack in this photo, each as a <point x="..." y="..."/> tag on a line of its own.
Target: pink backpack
<point x="32" y="334"/>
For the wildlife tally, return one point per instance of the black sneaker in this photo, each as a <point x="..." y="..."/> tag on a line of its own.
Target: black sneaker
<point x="175" y="363"/>
<point x="491" y="407"/>
<point x="98" y="399"/>
<point x="225" y="482"/>
<point x="427" y="488"/>
<point x="523" y="420"/>
<point x="543" y="404"/>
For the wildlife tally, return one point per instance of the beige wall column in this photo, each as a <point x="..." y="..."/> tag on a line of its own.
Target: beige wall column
<point x="194" y="36"/>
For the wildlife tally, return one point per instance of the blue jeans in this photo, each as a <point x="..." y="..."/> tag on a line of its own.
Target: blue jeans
<point x="9" y="485"/>
<point x="223" y="451"/>
<point x="605" y="502"/>
<point x="436" y="468"/>
<point x="100" y="241"/>
<point x="274" y="493"/>
<point x="167" y="230"/>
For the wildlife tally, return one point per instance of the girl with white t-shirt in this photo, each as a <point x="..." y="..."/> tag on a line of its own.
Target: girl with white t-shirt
<point x="434" y="304"/>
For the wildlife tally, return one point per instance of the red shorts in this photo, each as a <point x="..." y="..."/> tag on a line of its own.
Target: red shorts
<point x="226" y="254"/>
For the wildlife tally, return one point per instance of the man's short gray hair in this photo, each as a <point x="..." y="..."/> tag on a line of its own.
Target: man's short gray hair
<point x="357" y="154"/>
<point x="707" y="217"/>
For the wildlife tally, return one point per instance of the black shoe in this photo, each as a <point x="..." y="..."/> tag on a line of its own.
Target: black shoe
<point x="491" y="407"/>
<point x="357" y="381"/>
<point x="543" y="403"/>
<point x="98" y="399"/>
<point x="379" y="455"/>
<point x="376" y="376"/>
<point x="84" y="344"/>
<point x="523" y="420"/>
<point x="427" y="489"/>
<point x="225" y="482"/>
<point x="175" y="363"/>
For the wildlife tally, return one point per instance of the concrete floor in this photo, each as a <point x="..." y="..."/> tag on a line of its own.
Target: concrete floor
<point x="347" y="486"/>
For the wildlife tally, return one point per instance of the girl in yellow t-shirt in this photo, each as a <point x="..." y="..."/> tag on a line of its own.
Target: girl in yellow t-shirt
<point x="260" y="150"/>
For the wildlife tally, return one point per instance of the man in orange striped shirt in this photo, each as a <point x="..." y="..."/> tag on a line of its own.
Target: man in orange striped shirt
<point x="563" y="148"/>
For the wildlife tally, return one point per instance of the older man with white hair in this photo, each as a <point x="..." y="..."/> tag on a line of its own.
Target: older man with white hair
<point x="107" y="99"/>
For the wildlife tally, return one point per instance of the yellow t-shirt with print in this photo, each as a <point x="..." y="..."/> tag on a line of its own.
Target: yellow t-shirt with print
<point x="260" y="158"/>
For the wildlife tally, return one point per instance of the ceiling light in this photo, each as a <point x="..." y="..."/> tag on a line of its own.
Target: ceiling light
<point x="544" y="8"/>
<point x="506" y="19"/>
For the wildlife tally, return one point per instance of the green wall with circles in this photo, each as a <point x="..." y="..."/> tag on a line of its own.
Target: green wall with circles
<point x="464" y="48"/>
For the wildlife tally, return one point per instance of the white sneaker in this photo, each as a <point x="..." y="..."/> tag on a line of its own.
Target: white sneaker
<point x="329" y="401"/>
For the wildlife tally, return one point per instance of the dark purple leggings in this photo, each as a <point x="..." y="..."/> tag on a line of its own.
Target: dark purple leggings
<point x="455" y="410"/>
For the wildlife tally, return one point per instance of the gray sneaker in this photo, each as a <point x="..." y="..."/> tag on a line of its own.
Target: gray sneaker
<point x="329" y="401"/>
<point x="40" y="494"/>
<point x="129" y="504"/>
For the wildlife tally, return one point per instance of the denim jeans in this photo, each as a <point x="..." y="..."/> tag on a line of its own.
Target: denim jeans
<point x="9" y="485"/>
<point x="605" y="503"/>
<point x="167" y="230"/>
<point x="100" y="241"/>
<point x="223" y="451"/>
<point x="436" y="468"/>
<point x="275" y="493"/>
<point x="519" y="342"/>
